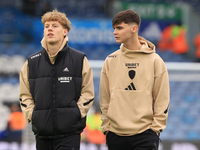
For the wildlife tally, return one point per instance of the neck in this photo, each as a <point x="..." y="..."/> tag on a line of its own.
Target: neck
<point x="133" y="44"/>
<point x="53" y="48"/>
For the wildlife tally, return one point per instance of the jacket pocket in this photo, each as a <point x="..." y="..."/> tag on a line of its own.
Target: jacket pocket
<point x="130" y="109"/>
<point x="68" y="119"/>
<point x="42" y="123"/>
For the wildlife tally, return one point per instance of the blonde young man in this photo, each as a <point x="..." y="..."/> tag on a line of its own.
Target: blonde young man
<point x="134" y="89"/>
<point x="56" y="88"/>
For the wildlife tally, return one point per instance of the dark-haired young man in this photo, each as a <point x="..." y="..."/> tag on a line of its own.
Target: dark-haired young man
<point x="134" y="89"/>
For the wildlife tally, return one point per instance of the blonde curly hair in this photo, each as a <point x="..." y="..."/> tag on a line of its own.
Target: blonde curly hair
<point x="55" y="15"/>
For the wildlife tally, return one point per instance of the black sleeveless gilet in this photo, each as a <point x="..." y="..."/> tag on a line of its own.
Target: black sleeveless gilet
<point x="55" y="89"/>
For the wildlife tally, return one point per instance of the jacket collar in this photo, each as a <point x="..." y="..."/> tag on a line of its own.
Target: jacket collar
<point x="44" y="45"/>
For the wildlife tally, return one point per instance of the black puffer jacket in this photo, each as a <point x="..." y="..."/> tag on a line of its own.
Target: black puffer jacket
<point x="55" y="89"/>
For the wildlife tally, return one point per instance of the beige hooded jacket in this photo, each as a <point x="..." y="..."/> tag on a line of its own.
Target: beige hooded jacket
<point x="134" y="91"/>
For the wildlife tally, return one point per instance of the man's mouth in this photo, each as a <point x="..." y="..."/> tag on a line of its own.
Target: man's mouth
<point x="50" y="34"/>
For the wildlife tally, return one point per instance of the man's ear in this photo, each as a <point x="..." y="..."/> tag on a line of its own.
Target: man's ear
<point x="134" y="28"/>
<point x="65" y="32"/>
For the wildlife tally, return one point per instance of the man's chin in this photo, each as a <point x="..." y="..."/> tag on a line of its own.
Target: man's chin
<point x="118" y="41"/>
<point x="51" y="42"/>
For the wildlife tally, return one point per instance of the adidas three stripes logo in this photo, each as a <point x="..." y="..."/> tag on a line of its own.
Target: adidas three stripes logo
<point x="131" y="74"/>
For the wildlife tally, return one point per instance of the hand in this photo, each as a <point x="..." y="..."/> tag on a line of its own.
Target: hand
<point x="106" y="132"/>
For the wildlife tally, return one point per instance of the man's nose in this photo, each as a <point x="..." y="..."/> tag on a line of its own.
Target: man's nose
<point x="50" y="28"/>
<point x="114" y="32"/>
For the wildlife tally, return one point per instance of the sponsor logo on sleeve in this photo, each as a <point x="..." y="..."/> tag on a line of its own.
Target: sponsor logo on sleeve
<point x="34" y="56"/>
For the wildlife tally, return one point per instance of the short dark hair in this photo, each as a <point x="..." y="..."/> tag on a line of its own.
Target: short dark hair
<point x="126" y="16"/>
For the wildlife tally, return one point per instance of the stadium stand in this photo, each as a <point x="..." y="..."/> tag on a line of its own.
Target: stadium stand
<point x="15" y="47"/>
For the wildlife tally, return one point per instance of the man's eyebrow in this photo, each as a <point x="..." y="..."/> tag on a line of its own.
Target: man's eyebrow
<point x="118" y="26"/>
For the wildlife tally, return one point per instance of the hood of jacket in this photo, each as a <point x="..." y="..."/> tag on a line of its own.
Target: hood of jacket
<point x="53" y="57"/>
<point x="147" y="47"/>
<point x="44" y="45"/>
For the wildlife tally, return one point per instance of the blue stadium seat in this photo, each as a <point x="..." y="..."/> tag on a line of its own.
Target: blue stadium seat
<point x="188" y="119"/>
<point x="13" y="80"/>
<point x="190" y="98"/>
<point x="193" y="135"/>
